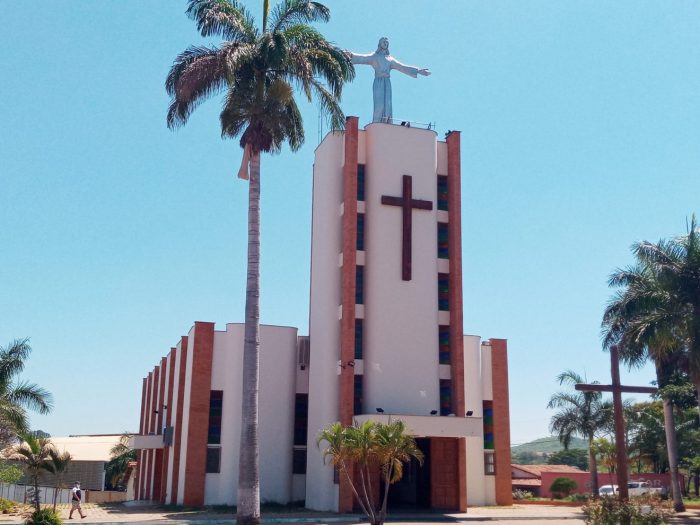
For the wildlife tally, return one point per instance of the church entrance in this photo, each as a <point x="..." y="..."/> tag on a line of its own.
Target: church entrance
<point x="413" y="490"/>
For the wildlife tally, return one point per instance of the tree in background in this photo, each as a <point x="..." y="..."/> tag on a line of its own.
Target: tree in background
<point x="16" y="397"/>
<point x="562" y="487"/>
<point x="366" y="446"/>
<point x="59" y="463"/>
<point x="35" y="454"/>
<point x="605" y="453"/>
<point x="655" y="315"/>
<point x="117" y="466"/>
<point x="574" y="457"/>
<point x="583" y="414"/>
<point x="258" y="71"/>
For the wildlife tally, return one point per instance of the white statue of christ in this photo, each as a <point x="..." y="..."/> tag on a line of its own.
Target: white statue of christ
<point x="382" y="62"/>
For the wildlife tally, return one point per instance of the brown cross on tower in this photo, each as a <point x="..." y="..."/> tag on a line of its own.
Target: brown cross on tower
<point x="407" y="203"/>
<point x="617" y="389"/>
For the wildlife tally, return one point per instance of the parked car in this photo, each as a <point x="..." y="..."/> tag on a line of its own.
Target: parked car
<point x="635" y="488"/>
<point x="608" y="490"/>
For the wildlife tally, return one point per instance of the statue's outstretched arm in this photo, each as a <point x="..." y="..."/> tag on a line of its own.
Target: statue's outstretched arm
<point x="411" y="71"/>
<point x="359" y="58"/>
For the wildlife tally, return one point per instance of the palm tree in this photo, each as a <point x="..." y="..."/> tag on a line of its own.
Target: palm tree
<point x="581" y="413"/>
<point x="645" y="322"/>
<point x="35" y="454"/>
<point x="258" y="71"/>
<point x="16" y="397"/>
<point x="121" y="454"/>
<point x="366" y="446"/>
<point x="59" y="464"/>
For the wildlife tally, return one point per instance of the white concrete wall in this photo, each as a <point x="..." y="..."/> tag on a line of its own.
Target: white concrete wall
<point x="187" y="391"/>
<point x="476" y="484"/>
<point x="401" y="317"/>
<point x="486" y="378"/>
<point x="324" y="327"/>
<point x="278" y="352"/>
<point x="472" y="375"/>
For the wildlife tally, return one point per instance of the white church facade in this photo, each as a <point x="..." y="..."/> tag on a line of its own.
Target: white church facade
<point x="385" y="341"/>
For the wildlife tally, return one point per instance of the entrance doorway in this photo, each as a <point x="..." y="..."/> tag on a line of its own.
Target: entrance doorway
<point x="413" y="490"/>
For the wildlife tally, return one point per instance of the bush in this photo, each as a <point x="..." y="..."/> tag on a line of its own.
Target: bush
<point x="642" y="510"/>
<point x="522" y="494"/>
<point x="578" y="497"/>
<point x="562" y="487"/>
<point x="44" y="517"/>
<point x="7" y="506"/>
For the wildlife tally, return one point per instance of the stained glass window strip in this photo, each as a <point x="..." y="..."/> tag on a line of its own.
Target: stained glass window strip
<point x="357" y="397"/>
<point x="443" y="292"/>
<point x="445" y="397"/>
<point x="301" y="418"/>
<point x="444" y="344"/>
<point x="361" y="182"/>
<point x="359" y="285"/>
<point x="443" y="241"/>
<point x="442" y="192"/>
<point x="488" y="425"/>
<point x="359" y="330"/>
<point x="216" y="399"/>
<point x="360" y="231"/>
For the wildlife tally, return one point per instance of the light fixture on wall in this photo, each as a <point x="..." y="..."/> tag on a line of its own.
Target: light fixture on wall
<point x="380" y="410"/>
<point x="433" y="412"/>
<point x="469" y="413"/>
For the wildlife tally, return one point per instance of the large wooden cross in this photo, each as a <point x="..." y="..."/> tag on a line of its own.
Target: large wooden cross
<point x="407" y="204"/>
<point x="617" y="389"/>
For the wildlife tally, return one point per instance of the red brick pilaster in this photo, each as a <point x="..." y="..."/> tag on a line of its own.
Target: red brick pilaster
<point x="454" y="207"/>
<point x="347" y="323"/>
<point x="177" y="431"/>
<point x="197" y="428"/>
<point x="152" y="416"/>
<point x="161" y="395"/>
<point x="501" y="421"/>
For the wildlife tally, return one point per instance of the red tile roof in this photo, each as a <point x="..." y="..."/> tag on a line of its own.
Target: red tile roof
<point x="537" y="470"/>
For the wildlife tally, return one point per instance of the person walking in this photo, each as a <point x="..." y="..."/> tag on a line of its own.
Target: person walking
<point x="76" y="498"/>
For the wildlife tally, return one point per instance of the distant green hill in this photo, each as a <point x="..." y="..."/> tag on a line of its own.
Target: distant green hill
<point x="537" y="451"/>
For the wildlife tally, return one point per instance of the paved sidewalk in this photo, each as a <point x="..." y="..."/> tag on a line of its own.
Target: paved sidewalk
<point x="115" y="514"/>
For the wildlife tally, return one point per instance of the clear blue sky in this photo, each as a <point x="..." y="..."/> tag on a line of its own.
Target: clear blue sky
<point x="581" y="126"/>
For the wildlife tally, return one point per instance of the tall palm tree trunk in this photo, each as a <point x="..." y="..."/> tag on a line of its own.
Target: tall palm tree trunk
<point x="248" y="508"/>
<point x="672" y="448"/>
<point x="593" y="466"/>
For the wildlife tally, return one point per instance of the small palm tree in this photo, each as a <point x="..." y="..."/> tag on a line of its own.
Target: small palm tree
<point x="121" y="454"/>
<point x="582" y="414"/>
<point x="35" y="454"/>
<point x="59" y="464"/>
<point x="16" y="397"/>
<point x="258" y="71"/>
<point x="366" y="446"/>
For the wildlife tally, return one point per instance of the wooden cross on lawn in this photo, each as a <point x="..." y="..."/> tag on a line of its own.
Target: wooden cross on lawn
<point x="617" y="389"/>
<point x="407" y="203"/>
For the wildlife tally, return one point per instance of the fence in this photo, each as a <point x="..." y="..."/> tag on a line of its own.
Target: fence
<point x="21" y="493"/>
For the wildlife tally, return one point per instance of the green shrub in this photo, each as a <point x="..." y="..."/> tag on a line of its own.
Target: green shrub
<point x="522" y="494"/>
<point x="44" y="517"/>
<point x="562" y="487"/>
<point x="642" y="510"/>
<point x="6" y="505"/>
<point x="578" y="497"/>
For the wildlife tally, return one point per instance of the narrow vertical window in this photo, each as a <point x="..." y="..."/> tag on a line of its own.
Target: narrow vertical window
<point x="488" y="425"/>
<point x="213" y="460"/>
<point x="299" y="461"/>
<point x="216" y="399"/>
<point x="489" y="463"/>
<point x="359" y="284"/>
<point x="442" y="192"/>
<point x="360" y="182"/>
<point x="357" y="397"/>
<point x="360" y="231"/>
<point x="444" y="344"/>
<point x="443" y="251"/>
<point x="359" y="331"/>
<point x="443" y="292"/>
<point x="301" y="418"/>
<point x="445" y="397"/>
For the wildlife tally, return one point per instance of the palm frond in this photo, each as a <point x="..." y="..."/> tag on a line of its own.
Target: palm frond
<point x="225" y="18"/>
<point x="31" y="396"/>
<point x="291" y="12"/>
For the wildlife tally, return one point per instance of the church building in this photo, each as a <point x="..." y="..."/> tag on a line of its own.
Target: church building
<point x="386" y="342"/>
